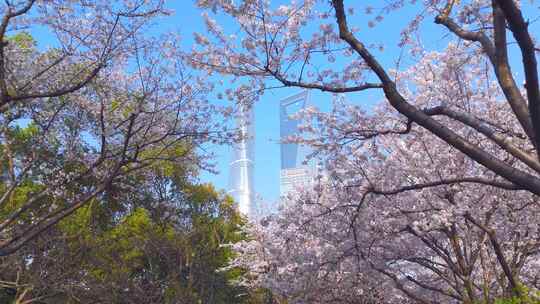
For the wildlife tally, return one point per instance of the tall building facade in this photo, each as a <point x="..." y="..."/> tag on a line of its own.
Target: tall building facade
<point x="242" y="162"/>
<point x="294" y="173"/>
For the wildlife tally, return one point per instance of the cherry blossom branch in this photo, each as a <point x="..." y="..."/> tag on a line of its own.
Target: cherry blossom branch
<point x="442" y="252"/>
<point x="76" y="85"/>
<point x="9" y="14"/>
<point x="324" y="88"/>
<point x="497" y="54"/>
<point x="432" y="288"/>
<point x="446" y="182"/>
<point x="432" y="266"/>
<point x="516" y="176"/>
<point x="41" y="194"/>
<point x="44" y="70"/>
<point x="498" y="252"/>
<point x="501" y="141"/>
<point x="57" y="93"/>
<point x="400" y="285"/>
<point x="363" y="134"/>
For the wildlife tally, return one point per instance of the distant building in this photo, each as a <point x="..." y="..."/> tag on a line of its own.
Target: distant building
<point x="294" y="172"/>
<point x="295" y="177"/>
<point x="242" y="163"/>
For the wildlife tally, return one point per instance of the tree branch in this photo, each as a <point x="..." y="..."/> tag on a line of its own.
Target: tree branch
<point x="497" y="55"/>
<point x="61" y="92"/>
<point x="445" y="182"/>
<point x="519" y="28"/>
<point x="323" y="88"/>
<point x="516" y="176"/>
<point x="9" y="14"/>
<point x="487" y="131"/>
<point x="498" y="252"/>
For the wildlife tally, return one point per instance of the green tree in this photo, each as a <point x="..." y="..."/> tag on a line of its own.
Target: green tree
<point x="157" y="237"/>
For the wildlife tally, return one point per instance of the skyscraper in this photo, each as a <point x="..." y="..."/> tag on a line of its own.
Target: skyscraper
<point x="293" y="172"/>
<point x="241" y="166"/>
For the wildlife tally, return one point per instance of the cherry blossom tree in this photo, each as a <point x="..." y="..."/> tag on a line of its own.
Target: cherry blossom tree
<point x="433" y="195"/>
<point x="401" y="215"/>
<point x="273" y="45"/>
<point x="79" y="116"/>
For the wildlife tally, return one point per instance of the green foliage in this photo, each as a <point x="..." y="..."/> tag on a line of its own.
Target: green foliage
<point x="138" y="245"/>
<point x="20" y="140"/>
<point x="526" y="296"/>
<point x="23" y="40"/>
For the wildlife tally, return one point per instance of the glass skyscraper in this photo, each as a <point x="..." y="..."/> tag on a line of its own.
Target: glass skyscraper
<point x="294" y="173"/>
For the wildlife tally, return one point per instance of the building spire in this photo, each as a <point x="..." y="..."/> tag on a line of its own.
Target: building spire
<point x="242" y="162"/>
